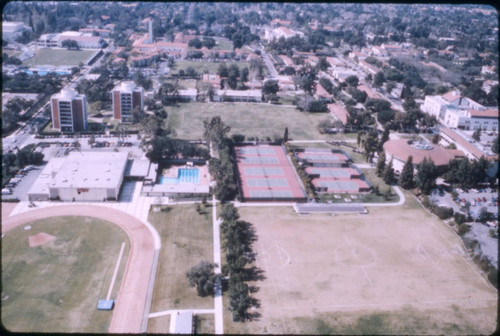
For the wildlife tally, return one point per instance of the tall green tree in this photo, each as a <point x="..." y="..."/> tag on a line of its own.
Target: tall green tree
<point x="406" y="178"/>
<point x="215" y="130"/>
<point x="477" y="134"/>
<point x="426" y="176"/>
<point x="381" y="164"/>
<point x="388" y="174"/>
<point x="203" y="277"/>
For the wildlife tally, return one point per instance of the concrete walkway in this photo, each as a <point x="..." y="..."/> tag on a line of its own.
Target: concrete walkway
<point x="174" y="311"/>
<point x="402" y="200"/>
<point x="219" y="321"/>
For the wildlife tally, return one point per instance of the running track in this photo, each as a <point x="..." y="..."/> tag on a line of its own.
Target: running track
<point x="130" y="304"/>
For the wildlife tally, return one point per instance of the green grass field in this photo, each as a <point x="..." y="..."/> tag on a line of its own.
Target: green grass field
<point x="251" y="119"/>
<point x="186" y="238"/>
<point x="55" y="287"/>
<point x="204" y="67"/>
<point x="59" y="57"/>
<point x="11" y="52"/>
<point x="221" y="44"/>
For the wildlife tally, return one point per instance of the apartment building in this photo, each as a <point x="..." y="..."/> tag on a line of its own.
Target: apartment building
<point x="126" y="97"/>
<point x="69" y="111"/>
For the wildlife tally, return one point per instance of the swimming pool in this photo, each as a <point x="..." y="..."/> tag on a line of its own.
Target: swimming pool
<point x="44" y="72"/>
<point x="184" y="175"/>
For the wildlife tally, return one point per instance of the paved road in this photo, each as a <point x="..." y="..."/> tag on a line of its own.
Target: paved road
<point x="269" y="64"/>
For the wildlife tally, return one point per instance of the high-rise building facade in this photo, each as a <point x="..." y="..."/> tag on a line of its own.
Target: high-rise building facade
<point x="126" y="97"/>
<point x="69" y="111"/>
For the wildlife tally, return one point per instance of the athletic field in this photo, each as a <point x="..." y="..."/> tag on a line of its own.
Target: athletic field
<point x="394" y="271"/>
<point x="54" y="285"/>
<point x="251" y="119"/>
<point x="59" y="57"/>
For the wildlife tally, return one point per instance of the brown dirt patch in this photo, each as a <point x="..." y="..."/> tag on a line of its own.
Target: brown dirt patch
<point x="40" y="239"/>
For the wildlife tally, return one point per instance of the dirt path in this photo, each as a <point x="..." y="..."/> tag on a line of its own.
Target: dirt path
<point x="131" y="300"/>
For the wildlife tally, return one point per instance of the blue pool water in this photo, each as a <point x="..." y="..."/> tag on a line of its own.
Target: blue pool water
<point x="185" y="175"/>
<point x="43" y="72"/>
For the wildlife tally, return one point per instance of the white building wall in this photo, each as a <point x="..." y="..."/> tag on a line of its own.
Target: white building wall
<point x="93" y="194"/>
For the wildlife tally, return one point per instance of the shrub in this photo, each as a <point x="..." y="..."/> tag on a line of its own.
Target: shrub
<point x="459" y="218"/>
<point x="463" y="229"/>
<point x="443" y="212"/>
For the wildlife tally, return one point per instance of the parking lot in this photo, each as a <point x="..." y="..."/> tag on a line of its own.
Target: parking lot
<point x="20" y="190"/>
<point x="477" y="199"/>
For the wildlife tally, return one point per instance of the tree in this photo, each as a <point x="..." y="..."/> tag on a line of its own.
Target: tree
<point x="203" y="277"/>
<point x="406" y="178"/>
<point x="195" y="43"/>
<point x="232" y="76"/>
<point x="323" y="64"/>
<point x="370" y="146"/>
<point x="270" y="87"/>
<point x="379" y="79"/>
<point x="388" y="174"/>
<point x="494" y="147"/>
<point x="477" y="134"/>
<point x="326" y="84"/>
<point x="285" y="136"/>
<point x="384" y="138"/>
<point x="244" y="74"/>
<point x="92" y="140"/>
<point x="229" y="212"/>
<point x="352" y="81"/>
<point x="426" y="176"/>
<point x="215" y="130"/>
<point x="359" y="95"/>
<point x="381" y="164"/>
<point x="77" y="144"/>
<point x="223" y="70"/>
<point x="208" y="42"/>
<point x="70" y="44"/>
<point x="137" y="115"/>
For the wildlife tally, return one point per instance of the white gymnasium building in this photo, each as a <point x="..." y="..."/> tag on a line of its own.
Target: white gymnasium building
<point x="81" y="176"/>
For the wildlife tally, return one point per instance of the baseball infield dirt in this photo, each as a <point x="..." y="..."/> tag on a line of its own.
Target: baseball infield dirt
<point x="131" y="300"/>
<point x="40" y="239"/>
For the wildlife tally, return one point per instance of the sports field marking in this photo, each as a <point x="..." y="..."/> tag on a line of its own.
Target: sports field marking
<point x="366" y="275"/>
<point x="385" y="304"/>
<point x="283" y="254"/>
<point x="424" y="254"/>
<point x="115" y="272"/>
<point x="266" y="266"/>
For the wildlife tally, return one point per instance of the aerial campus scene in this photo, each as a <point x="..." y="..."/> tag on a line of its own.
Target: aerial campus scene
<point x="249" y="168"/>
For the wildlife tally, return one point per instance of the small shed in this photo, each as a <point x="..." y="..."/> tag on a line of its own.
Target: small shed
<point x="105" y="304"/>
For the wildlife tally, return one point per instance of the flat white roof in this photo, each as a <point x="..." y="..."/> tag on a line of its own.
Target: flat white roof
<point x="41" y="184"/>
<point x="137" y="168"/>
<point x="91" y="170"/>
<point x="239" y="93"/>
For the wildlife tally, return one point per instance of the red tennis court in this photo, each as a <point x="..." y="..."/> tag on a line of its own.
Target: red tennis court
<point x="266" y="174"/>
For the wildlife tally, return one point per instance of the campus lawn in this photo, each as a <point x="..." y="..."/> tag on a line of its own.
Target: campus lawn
<point x="11" y="53"/>
<point x="204" y="66"/>
<point x="251" y="119"/>
<point x="186" y="239"/>
<point x="55" y="287"/>
<point x="222" y="44"/>
<point x="59" y="57"/>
